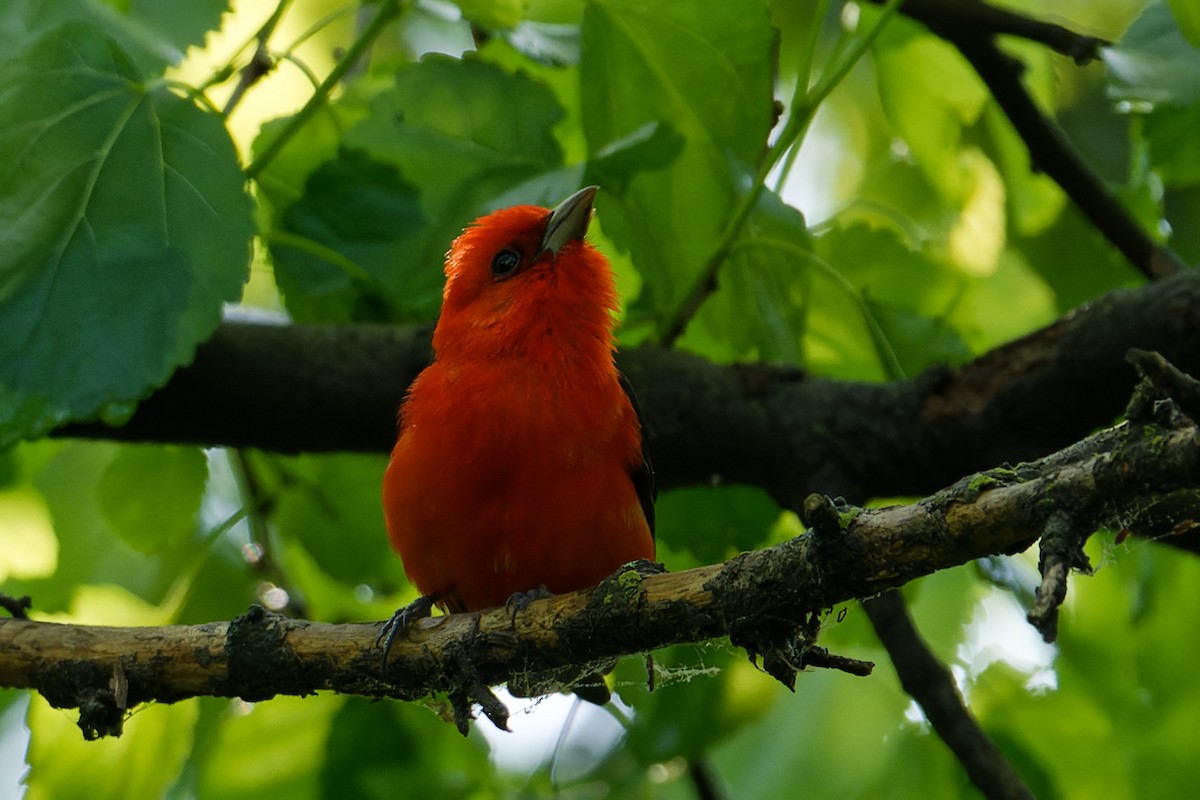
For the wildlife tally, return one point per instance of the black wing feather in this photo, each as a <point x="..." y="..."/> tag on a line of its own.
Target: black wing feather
<point x="642" y="474"/>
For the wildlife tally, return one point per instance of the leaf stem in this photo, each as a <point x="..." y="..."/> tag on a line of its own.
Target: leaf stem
<point x="261" y="35"/>
<point x="260" y="63"/>
<point x="388" y="9"/>
<point x="804" y="106"/>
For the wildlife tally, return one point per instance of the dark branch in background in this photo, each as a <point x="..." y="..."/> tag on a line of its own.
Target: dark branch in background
<point x="304" y="388"/>
<point x="930" y="683"/>
<point x="284" y="388"/>
<point x="764" y="600"/>
<point x="702" y="780"/>
<point x="1166" y="380"/>
<point x="972" y="28"/>
<point x="983" y="19"/>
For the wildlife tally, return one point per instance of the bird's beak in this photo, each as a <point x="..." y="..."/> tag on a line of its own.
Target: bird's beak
<point x="569" y="221"/>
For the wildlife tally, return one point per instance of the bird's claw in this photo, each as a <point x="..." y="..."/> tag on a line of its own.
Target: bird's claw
<point x="418" y="609"/>
<point x="519" y="601"/>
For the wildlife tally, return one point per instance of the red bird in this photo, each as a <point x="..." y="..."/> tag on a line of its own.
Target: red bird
<point x="520" y="461"/>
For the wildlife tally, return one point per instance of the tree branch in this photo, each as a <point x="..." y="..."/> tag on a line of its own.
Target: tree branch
<point x="763" y="600"/>
<point x="309" y="388"/>
<point x="983" y="19"/>
<point x="928" y="682"/>
<point x="971" y="27"/>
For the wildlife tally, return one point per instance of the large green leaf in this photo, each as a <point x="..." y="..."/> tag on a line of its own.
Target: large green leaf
<point x="703" y="694"/>
<point x="183" y="24"/>
<point x="124" y="227"/>
<point x="762" y="308"/>
<point x="472" y="136"/>
<point x="1154" y="63"/>
<point x="89" y="552"/>
<point x="683" y="63"/>
<point x="908" y="294"/>
<point x="139" y="765"/>
<point x="929" y="93"/>
<point x="1187" y="16"/>
<point x="1175" y="148"/>
<point x="150" y="496"/>
<point x="1075" y="260"/>
<point x="22" y="21"/>
<point x="714" y="523"/>
<point x="270" y="749"/>
<point x="346" y="244"/>
<point x="331" y="505"/>
<point x="375" y="748"/>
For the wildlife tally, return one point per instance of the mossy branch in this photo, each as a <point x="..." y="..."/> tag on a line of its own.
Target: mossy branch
<point x="763" y="600"/>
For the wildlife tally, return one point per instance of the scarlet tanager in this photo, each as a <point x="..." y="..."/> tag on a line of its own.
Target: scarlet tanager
<point x="520" y="461"/>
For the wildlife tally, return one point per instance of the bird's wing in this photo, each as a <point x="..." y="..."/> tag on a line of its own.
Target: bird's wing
<point x="641" y="474"/>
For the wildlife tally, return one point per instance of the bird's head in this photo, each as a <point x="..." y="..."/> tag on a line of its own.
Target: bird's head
<point x="524" y="277"/>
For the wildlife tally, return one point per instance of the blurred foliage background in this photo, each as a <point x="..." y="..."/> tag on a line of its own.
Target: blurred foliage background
<point x="882" y="219"/>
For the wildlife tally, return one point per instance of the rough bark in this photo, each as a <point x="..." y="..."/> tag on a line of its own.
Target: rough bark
<point x="764" y="600"/>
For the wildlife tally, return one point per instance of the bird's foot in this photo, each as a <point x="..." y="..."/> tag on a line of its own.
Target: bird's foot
<point x="418" y="609"/>
<point x="519" y="601"/>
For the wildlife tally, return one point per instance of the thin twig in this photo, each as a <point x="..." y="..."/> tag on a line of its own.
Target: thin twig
<point x="259" y="38"/>
<point x="1061" y="551"/>
<point x="972" y="30"/>
<point x="804" y="105"/>
<point x="931" y="684"/>
<point x="261" y="62"/>
<point x="984" y="18"/>
<point x="1167" y="379"/>
<point x="259" y="65"/>
<point x="702" y="779"/>
<point x="388" y="9"/>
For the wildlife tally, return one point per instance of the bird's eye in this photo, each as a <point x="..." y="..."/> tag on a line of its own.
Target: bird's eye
<point x="505" y="263"/>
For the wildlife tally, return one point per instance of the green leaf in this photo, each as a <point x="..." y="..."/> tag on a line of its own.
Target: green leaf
<point x="761" y="309"/>
<point x="139" y="765"/>
<point x="1183" y="205"/>
<point x="375" y="747"/>
<point x="908" y="294"/>
<point x="704" y="694"/>
<point x="1034" y="199"/>
<point x="88" y="551"/>
<point x="331" y="505"/>
<point x="22" y="21"/>
<point x="644" y="63"/>
<point x="472" y="136"/>
<point x="1174" y="146"/>
<point x="929" y="93"/>
<point x="183" y="24"/>
<point x="647" y="148"/>
<point x="270" y="749"/>
<point x="1154" y="64"/>
<point x="124" y="227"/>
<point x="345" y="242"/>
<point x="150" y="495"/>
<point x="491" y="14"/>
<point x="918" y="341"/>
<point x="1187" y="16"/>
<point x="715" y="523"/>
<point x="984" y="323"/>
<point x="28" y="547"/>
<point x="1057" y="252"/>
